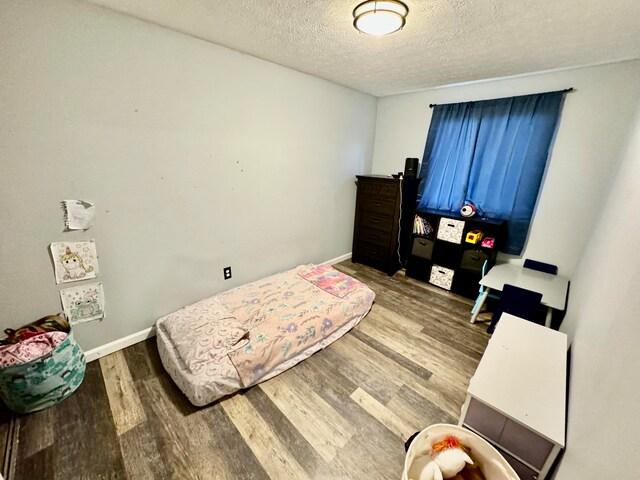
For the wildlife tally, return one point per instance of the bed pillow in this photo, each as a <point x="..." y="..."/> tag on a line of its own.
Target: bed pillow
<point x="204" y="332"/>
<point x="330" y="280"/>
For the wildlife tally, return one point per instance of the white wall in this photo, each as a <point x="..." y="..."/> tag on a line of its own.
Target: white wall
<point x="594" y="125"/>
<point x="196" y="156"/>
<point x="603" y="321"/>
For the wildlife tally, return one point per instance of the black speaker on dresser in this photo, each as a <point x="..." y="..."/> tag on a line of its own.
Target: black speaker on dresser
<point x="411" y="167"/>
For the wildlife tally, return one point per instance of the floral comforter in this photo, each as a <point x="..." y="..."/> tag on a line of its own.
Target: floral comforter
<point x="286" y="315"/>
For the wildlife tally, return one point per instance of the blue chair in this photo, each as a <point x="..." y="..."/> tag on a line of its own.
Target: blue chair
<point x="517" y="301"/>
<point x="540" y="266"/>
<point x="495" y="296"/>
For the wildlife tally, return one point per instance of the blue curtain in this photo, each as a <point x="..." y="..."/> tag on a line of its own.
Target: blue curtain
<point x="493" y="154"/>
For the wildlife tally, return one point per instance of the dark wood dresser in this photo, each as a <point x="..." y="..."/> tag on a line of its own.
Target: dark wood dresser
<point x="384" y="219"/>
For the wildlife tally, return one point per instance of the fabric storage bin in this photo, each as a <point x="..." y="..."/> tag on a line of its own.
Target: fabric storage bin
<point x="441" y="277"/>
<point x="422" y="247"/>
<point x="450" y="230"/>
<point x="473" y="260"/>
<point x="45" y="381"/>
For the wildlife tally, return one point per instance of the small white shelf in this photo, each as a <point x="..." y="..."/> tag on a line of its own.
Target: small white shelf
<point x="522" y="378"/>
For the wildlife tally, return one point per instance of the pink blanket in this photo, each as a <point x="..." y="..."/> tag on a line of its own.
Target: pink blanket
<point x="204" y="332"/>
<point x="286" y="315"/>
<point x="330" y="280"/>
<point x="30" y="349"/>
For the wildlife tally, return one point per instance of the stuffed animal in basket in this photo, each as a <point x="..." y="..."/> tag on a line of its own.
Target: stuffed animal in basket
<point x="448" y="458"/>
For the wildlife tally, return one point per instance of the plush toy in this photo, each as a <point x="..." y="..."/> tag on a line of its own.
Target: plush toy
<point x="468" y="210"/>
<point x="445" y="460"/>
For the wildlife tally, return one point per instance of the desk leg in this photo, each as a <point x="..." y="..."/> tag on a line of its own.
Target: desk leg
<point x="547" y="321"/>
<point x="474" y="317"/>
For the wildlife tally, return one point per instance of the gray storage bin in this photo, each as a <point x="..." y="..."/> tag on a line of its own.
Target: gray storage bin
<point x="473" y="260"/>
<point x="422" y="247"/>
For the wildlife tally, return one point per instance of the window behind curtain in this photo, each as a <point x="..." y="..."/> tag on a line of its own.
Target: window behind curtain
<point x="491" y="153"/>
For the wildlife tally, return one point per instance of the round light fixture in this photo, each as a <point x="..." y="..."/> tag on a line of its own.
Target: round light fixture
<point x="379" y="18"/>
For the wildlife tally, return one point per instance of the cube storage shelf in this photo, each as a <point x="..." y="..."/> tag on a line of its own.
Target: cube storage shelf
<point x="445" y="259"/>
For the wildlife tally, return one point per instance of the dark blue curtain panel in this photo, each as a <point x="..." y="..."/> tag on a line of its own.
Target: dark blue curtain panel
<point x="492" y="153"/>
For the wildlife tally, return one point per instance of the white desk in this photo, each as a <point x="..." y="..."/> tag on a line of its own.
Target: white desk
<point x="552" y="287"/>
<point x="517" y="397"/>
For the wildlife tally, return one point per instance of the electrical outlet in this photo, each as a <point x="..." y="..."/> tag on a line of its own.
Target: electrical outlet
<point x="227" y="272"/>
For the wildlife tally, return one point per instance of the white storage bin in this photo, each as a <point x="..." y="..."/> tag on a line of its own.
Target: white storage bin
<point x="441" y="277"/>
<point x="450" y="230"/>
<point x="488" y="459"/>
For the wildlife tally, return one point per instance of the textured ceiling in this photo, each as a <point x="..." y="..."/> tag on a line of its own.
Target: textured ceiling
<point x="443" y="42"/>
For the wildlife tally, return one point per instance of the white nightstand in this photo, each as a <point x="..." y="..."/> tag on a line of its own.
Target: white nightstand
<point x="517" y="397"/>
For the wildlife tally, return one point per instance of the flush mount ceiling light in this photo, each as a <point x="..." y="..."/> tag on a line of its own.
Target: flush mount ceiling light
<point x="379" y="18"/>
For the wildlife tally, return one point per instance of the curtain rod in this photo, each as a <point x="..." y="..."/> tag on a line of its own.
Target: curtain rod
<point x="566" y="90"/>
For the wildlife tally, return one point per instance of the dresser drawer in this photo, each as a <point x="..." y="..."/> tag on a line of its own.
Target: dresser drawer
<point x="376" y="237"/>
<point x="383" y="206"/>
<point x="377" y="221"/>
<point x="371" y="251"/>
<point x="383" y="189"/>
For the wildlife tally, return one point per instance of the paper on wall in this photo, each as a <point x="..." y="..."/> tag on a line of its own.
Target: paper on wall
<point x="74" y="261"/>
<point x="83" y="303"/>
<point x="78" y="214"/>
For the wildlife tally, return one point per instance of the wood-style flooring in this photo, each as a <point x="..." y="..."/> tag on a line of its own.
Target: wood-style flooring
<point x="342" y="414"/>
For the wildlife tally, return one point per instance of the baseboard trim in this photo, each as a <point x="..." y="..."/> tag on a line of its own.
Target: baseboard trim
<point x="339" y="259"/>
<point x="119" y="344"/>
<point x="150" y="332"/>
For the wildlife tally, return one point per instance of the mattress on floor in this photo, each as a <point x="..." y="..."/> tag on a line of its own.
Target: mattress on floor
<point x="281" y="300"/>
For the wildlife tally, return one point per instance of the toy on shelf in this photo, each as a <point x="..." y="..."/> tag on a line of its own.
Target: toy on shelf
<point x="474" y="236"/>
<point x="488" y="242"/>
<point x="468" y="210"/>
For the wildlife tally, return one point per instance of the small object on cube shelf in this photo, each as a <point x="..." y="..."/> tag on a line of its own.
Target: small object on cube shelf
<point x="488" y="242"/>
<point x="468" y="210"/>
<point x="474" y="236"/>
